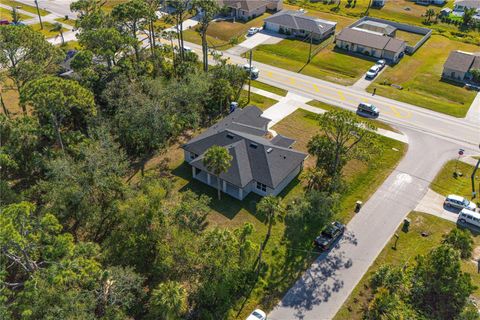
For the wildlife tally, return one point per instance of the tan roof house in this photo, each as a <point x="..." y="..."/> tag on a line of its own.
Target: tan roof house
<point x="249" y="9"/>
<point x="459" y="65"/>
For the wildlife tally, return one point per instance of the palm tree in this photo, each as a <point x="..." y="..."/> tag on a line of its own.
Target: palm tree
<point x="468" y="16"/>
<point x="270" y="207"/>
<point x="429" y="14"/>
<point x="217" y="160"/>
<point x="57" y="27"/>
<point x="168" y="301"/>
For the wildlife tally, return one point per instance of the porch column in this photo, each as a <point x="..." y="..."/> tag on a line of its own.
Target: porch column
<point x="240" y="193"/>
<point x="208" y="178"/>
<point x="193" y="172"/>
<point x="224" y="186"/>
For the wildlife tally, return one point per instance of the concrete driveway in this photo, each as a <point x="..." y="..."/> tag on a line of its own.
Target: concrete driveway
<point x="432" y="203"/>
<point x="363" y="82"/>
<point x="262" y="37"/>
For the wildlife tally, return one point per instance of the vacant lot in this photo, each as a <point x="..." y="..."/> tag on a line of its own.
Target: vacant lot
<point x="420" y="76"/>
<point x="224" y="34"/>
<point x="24" y="7"/>
<point x="445" y="183"/>
<point x="289" y="251"/>
<point x="409" y="245"/>
<point x="327" y="64"/>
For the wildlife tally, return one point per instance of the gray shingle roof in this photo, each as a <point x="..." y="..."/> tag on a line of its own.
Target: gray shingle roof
<point x="369" y="39"/>
<point x="247" y="5"/>
<point x="254" y="156"/>
<point x="282" y="141"/>
<point x="468" y="3"/>
<point x="462" y="61"/>
<point x="298" y="21"/>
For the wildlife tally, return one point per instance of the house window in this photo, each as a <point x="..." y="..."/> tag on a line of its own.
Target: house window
<point x="262" y="187"/>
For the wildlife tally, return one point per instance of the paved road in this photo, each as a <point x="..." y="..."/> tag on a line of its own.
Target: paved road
<point x="322" y="290"/>
<point x="58" y="7"/>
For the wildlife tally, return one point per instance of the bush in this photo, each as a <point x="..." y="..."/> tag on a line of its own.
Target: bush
<point x="460" y="240"/>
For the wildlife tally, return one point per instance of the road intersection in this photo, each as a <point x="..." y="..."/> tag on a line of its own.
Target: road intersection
<point x="433" y="139"/>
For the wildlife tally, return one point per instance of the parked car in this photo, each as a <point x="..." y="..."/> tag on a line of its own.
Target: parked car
<point x="214" y="52"/>
<point x="253" y="30"/>
<point x="372" y="73"/>
<point x="368" y="108"/>
<point x="381" y="63"/>
<point x="4" y="22"/>
<point x="257" y="315"/>
<point x="252" y="71"/>
<point x="329" y="235"/>
<point x="459" y="202"/>
<point x="469" y="216"/>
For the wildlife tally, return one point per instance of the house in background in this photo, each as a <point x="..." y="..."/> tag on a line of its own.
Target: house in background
<point x="378" y="3"/>
<point x="459" y="65"/>
<point x="260" y="165"/>
<point x="298" y="24"/>
<point x="461" y="5"/>
<point x="249" y="9"/>
<point x="428" y="2"/>
<point x="370" y="43"/>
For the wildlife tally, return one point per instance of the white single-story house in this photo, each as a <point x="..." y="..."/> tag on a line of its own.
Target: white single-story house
<point x="260" y="165"/>
<point x="298" y="24"/>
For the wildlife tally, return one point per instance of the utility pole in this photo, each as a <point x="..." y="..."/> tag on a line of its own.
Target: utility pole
<point x="39" y="15"/>
<point x="250" y="75"/>
<point x="474" y="193"/>
<point x="310" y="50"/>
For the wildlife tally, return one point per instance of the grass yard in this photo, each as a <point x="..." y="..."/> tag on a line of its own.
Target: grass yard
<point x="328" y="107"/>
<point x="446" y="184"/>
<point x="24" y="7"/>
<point x="286" y="264"/>
<point x="409" y="246"/>
<point x="363" y="180"/>
<point x="70" y="22"/>
<point x="327" y="64"/>
<point x="47" y="27"/>
<point x="410" y="37"/>
<point x="269" y="88"/>
<point x="256" y="100"/>
<point x="420" y="76"/>
<point x="6" y="14"/>
<point x="220" y="34"/>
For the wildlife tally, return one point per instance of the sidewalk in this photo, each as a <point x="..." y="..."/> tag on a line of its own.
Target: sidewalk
<point x="473" y="113"/>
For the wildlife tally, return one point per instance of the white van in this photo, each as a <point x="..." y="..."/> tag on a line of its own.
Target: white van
<point x="469" y="216"/>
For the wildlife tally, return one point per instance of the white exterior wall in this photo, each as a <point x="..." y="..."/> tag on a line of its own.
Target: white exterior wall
<point x="286" y="181"/>
<point x="272" y="26"/>
<point x="460" y="76"/>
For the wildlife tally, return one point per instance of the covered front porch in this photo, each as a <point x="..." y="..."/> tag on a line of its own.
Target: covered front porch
<point x="211" y="180"/>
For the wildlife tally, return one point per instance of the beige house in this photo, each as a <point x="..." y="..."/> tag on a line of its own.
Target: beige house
<point x="249" y="9"/>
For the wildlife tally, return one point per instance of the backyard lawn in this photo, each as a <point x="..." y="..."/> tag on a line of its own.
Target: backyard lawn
<point x="286" y="264"/>
<point x="445" y="183"/>
<point x="420" y="77"/>
<point x="409" y="246"/>
<point x="25" y="7"/>
<point x="327" y="64"/>
<point x="220" y="33"/>
<point x="255" y="99"/>
<point x="6" y="14"/>
<point x="47" y="27"/>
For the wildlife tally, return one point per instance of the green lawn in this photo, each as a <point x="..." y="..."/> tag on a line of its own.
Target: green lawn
<point x="269" y="88"/>
<point x="220" y="34"/>
<point x="329" y="107"/>
<point x="286" y="264"/>
<point x="24" y="7"/>
<point x="409" y="245"/>
<point x="409" y="37"/>
<point x="445" y="183"/>
<point x="47" y="27"/>
<point x="6" y="14"/>
<point x="327" y="64"/>
<point x="420" y="77"/>
<point x="70" y="22"/>
<point x="256" y="100"/>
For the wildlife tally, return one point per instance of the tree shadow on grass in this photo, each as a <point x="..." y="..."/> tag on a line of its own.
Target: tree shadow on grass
<point x="227" y="206"/>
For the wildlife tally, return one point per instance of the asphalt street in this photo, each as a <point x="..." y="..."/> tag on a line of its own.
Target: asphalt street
<point x="433" y="139"/>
